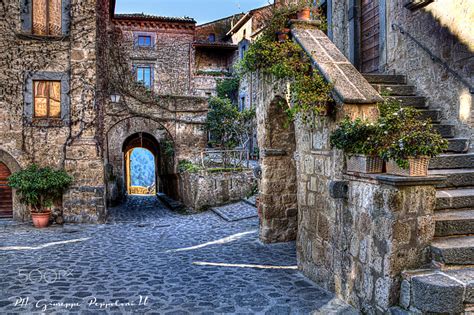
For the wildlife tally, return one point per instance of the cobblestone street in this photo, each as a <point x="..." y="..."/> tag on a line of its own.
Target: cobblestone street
<point x="150" y="260"/>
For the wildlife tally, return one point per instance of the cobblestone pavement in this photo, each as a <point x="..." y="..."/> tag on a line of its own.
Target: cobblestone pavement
<point x="236" y="211"/>
<point x="150" y="260"/>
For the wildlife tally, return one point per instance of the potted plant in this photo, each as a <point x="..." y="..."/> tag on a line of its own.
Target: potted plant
<point x="409" y="142"/>
<point x="410" y="153"/>
<point x="304" y="12"/>
<point x="360" y="140"/>
<point x="39" y="188"/>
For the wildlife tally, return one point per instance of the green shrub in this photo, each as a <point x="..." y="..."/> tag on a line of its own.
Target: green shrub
<point x="406" y="135"/>
<point x="357" y="137"/>
<point x="188" y="166"/>
<point x="39" y="187"/>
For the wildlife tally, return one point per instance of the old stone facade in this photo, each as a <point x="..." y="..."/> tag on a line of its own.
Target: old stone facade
<point x="91" y="130"/>
<point x="69" y="141"/>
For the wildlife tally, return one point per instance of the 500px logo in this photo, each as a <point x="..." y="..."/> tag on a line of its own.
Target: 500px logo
<point x="43" y="275"/>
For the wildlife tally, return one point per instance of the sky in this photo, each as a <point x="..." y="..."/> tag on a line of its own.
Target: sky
<point x="202" y="11"/>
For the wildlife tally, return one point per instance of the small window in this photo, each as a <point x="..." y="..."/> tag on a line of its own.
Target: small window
<point x="212" y="37"/>
<point x="46" y="17"/>
<point x="242" y="103"/>
<point x="47" y="99"/>
<point x="144" y="76"/>
<point x="144" y="41"/>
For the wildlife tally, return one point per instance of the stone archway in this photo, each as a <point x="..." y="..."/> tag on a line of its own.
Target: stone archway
<point x="278" y="191"/>
<point x="126" y="134"/>
<point x="18" y="210"/>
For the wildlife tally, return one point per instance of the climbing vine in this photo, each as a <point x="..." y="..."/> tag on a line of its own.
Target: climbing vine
<point x="285" y="59"/>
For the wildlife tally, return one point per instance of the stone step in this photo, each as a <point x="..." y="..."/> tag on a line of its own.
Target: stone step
<point x="394" y="90"/>
<point x="454" y="250"/>
<point x="454" y="222"/>
<point x="462" y="198"/>
<point x="452" y="161"/>
<point x="455" y="177"/>
<point x="458" y="145"/>
<point x="412" y="101"/>
<point x="437" y="291"/>
<point x="385" y="78"/>
<point x="446" y="130"/>
<point x="433" y="114"/>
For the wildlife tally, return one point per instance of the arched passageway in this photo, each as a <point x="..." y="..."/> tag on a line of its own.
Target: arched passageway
<point x="141" y="156"/>
<point x="6" y="194"/>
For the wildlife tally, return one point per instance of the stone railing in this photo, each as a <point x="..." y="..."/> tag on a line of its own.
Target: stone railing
<point x="351" y="89"/>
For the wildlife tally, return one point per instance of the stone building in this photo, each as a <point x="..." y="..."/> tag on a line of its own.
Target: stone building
<point x="49" y="107"/>
<point x="214" y="55"/>
<point x="63" y="102"/>
<point x="380" y="242"/>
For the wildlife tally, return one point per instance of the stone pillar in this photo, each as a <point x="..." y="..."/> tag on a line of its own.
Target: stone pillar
<point x="278" y="196"/>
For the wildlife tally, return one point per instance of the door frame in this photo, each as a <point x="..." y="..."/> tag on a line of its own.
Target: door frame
<point x="354" y="17"/>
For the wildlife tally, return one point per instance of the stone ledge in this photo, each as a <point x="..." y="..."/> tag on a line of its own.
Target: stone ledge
<point x="395" y="180"/>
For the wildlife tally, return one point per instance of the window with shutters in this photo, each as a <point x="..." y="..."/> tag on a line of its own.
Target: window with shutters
<point x="46" y="17"/>
<point x="47" y="99"/>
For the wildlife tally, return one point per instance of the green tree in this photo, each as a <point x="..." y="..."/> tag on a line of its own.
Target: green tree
<point x="228" y="126"/>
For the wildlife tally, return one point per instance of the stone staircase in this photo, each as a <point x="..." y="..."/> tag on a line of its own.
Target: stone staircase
<point x="447" y="286"/>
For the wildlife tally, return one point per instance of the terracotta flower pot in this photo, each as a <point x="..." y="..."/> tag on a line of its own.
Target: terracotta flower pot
<point x="283" y="35"/>
<point x="304" y="14"/>
<point x="40" y="219"/>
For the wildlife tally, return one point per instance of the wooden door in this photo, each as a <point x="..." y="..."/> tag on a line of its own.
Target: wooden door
<point x="370" y="36"/>
<point x="6" y="204"/>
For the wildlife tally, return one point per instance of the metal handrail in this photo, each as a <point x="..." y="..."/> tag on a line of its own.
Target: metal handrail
<point x="434" y="57"/>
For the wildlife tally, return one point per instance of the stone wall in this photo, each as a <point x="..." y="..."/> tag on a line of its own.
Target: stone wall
<point x="445" y="29"/>
<point x="70" y="143"/>
<point x="203" y="190"/>
<point x="432" y="46"/>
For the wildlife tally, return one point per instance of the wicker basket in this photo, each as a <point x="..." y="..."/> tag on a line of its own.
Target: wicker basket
<point x="418" y="167"/>
<point x="364" y="164"/>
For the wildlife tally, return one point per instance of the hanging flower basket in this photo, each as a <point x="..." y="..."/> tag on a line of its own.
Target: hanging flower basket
<point x="367" y="164"/>
<point x="418" y="167"/>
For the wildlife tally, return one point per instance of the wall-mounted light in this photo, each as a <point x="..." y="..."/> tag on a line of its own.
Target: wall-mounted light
<point x="115" y="97"/>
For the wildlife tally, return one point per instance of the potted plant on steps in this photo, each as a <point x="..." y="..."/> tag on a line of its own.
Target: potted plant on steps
<point x="39" y="188"/>
<point x="304" y="12"/>
<point x="360" y="140"/>
<point x="409" y="142"/>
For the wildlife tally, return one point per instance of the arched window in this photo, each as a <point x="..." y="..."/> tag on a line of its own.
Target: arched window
<point x="212" y="37"/>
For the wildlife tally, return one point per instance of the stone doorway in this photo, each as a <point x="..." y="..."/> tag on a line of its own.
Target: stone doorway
<point x="141" y="156"/>
<point x="6" y="194"/>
